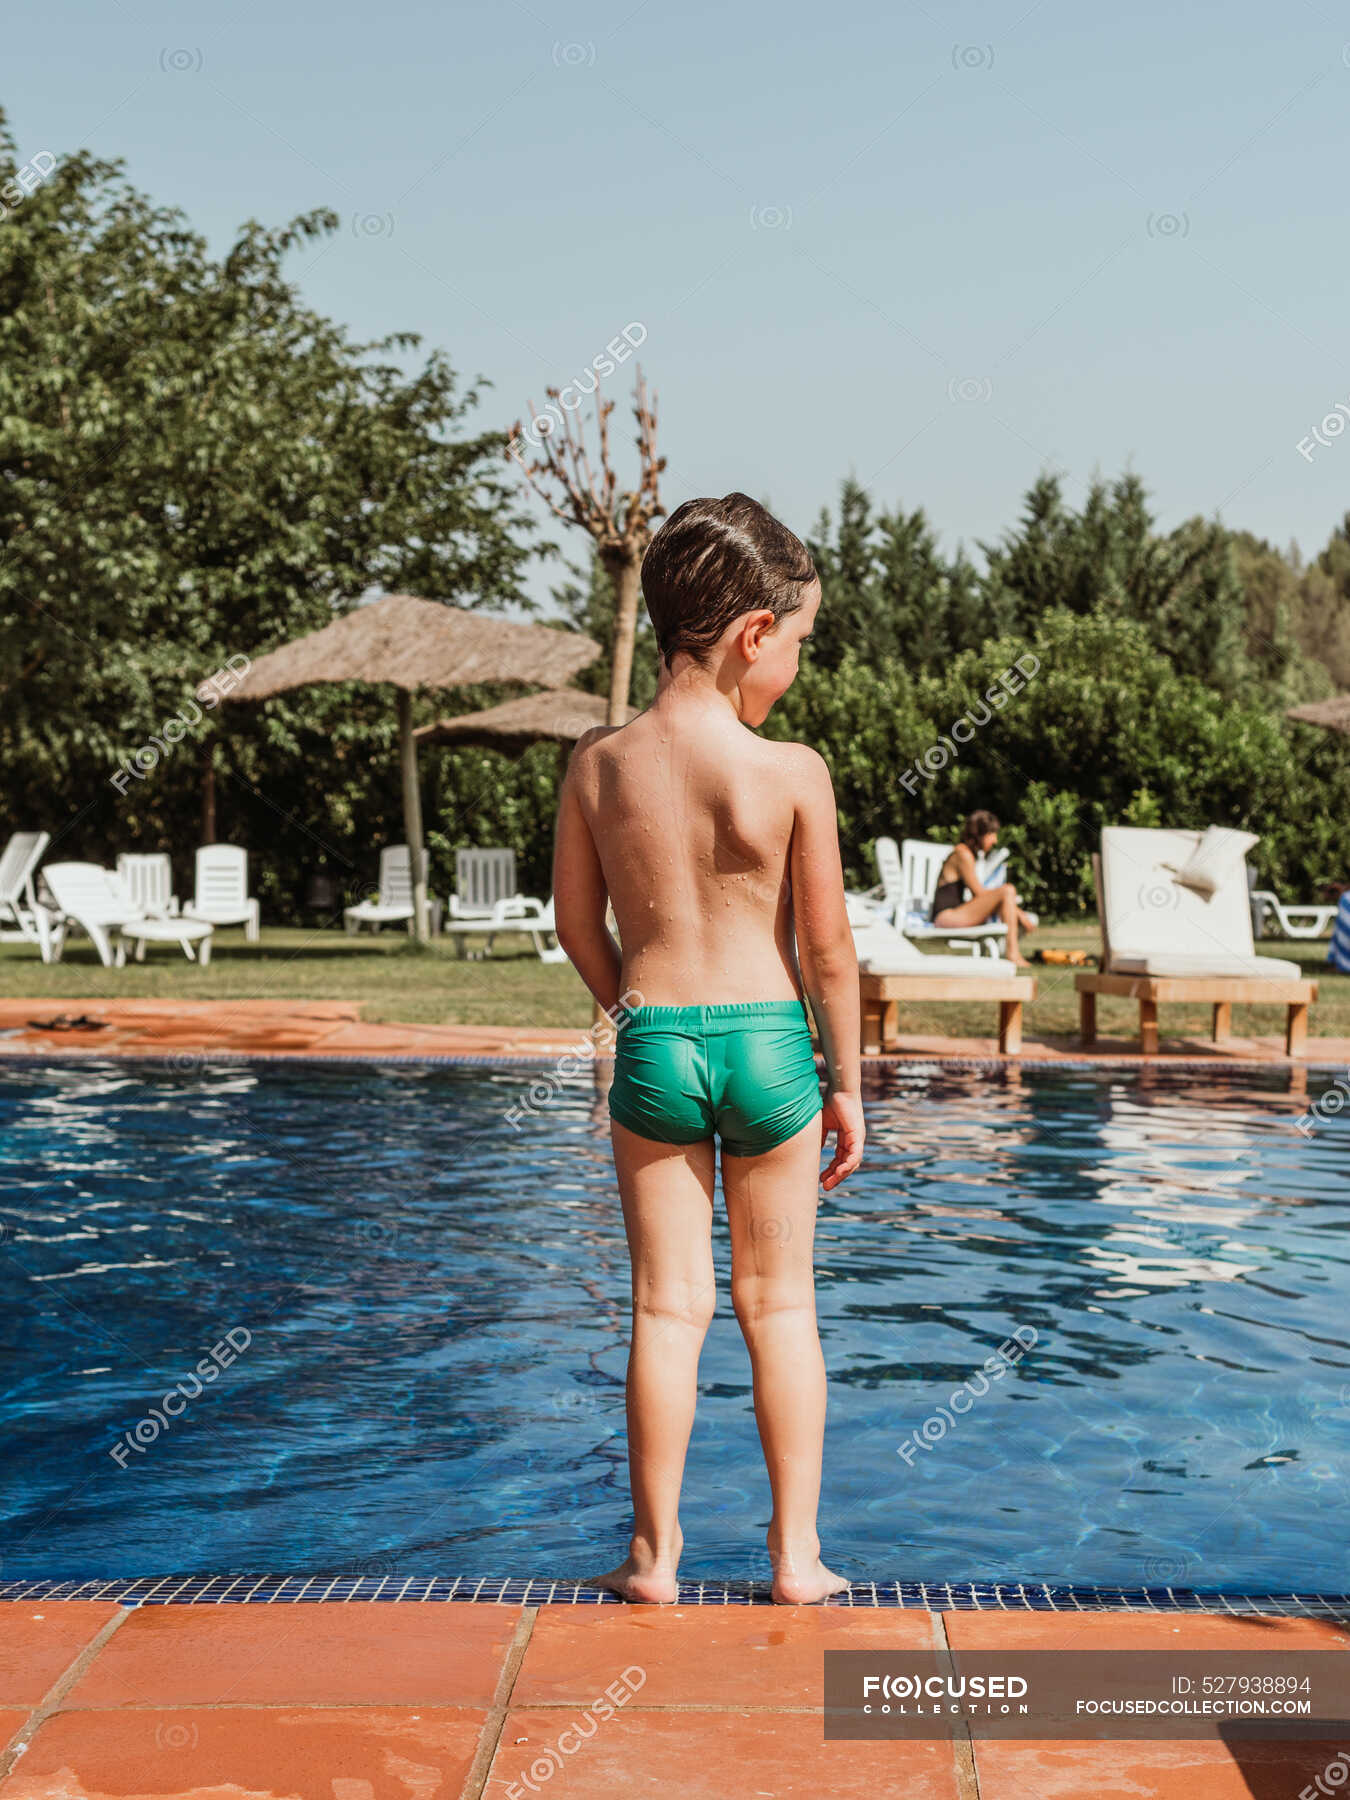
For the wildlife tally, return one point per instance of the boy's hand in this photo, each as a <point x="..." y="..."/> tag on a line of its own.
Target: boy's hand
<point x="842" y="1114"/>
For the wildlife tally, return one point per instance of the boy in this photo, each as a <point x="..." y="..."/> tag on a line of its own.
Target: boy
<point x="719" y="853"/>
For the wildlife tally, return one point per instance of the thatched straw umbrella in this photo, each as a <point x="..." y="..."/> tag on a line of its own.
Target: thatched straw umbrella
<point x="1333" y="713"/>
<point x="410" y="644"/>
<point x="563" y="715"/>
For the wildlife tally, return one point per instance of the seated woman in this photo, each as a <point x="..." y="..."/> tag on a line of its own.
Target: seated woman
<point x="950" y="906"/>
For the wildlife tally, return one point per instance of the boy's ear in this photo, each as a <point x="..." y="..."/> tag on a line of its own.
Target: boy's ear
<point x="754" y="627"/>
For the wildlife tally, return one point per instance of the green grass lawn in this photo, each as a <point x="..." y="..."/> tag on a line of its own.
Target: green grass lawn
<point x="515" y="988"/>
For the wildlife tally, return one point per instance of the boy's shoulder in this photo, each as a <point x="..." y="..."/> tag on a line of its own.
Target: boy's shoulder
<point x="594" y="734"/>
<point x="590" y="747"/>
<point x="788" y="760"/>
<point x="798" y="760"/>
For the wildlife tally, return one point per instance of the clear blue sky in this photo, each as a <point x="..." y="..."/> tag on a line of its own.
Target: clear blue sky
<point x="942" y="246"/>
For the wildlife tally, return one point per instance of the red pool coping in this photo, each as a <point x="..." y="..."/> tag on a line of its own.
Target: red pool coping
<point x="464" y="1702"/>
<point x="194" y="1030"/>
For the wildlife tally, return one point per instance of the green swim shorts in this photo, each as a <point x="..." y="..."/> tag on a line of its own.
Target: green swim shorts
<point x="747" y="1073"/>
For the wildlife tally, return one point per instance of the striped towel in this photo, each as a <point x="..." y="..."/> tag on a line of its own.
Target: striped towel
<point x="1339" y="954"/>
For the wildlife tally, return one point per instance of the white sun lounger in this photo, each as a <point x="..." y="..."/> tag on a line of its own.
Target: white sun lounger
<point x="882" y="950"/>
<point x="483" y="879"/>
<point x="221" y="894"/>
<point x="486" y="904"/>
<point x="1162" y="940"/>
<point x="1293" y="921"/>
<point x="393" y="903"/>
<point x="149" y="879"/>
<point x="98" y="902"/>
<point x="909" y="879"/>
<point x="893" y="970"/>
<point x="520" y="913"/>
<point x="21" y="918"/>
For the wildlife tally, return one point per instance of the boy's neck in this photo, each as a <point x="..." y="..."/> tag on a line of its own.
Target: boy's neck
<point x="693" y="685"/>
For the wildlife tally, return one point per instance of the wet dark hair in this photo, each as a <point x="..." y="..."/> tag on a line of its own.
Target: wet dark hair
<point x="714" y="560"/>
<point x="978" y="825"/>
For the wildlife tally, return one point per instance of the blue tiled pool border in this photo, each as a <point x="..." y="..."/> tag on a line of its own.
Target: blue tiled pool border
<point x="521" y="1590"/>
<point x="182" y="1060"/>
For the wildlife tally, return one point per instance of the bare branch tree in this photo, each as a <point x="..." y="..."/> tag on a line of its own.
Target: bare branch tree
<point x="620" y="524"/>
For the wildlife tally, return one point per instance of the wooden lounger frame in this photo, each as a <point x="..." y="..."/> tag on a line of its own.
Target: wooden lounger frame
<point x="882" y="994"/>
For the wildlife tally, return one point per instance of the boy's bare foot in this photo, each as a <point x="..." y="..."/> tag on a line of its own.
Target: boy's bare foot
<point x="1018" y="962"/>
<point x="800" y="1578"/>
<point x="806" y="1587"/>
<point x="644" y="1577"/>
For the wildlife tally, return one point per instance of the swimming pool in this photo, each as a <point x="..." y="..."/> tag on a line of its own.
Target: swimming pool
<point x="349" y="1320"/>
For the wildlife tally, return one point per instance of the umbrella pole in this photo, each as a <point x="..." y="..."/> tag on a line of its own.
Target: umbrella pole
<point x="412" y="814"/>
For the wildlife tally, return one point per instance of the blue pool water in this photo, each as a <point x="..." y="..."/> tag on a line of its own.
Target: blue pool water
<point x="429" y="1311"/>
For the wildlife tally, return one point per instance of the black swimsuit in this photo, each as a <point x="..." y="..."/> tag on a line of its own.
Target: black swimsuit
<point x="950" y="893"/>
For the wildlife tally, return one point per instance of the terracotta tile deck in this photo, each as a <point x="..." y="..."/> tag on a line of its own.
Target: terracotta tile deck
<point x="192" y="1028"/>
<point x="462" y="1702"/>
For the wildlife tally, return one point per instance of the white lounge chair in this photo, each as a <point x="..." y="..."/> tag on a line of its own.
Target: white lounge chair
<point x="882" y="950"/>
<point x="221" y="890"/>
<point x="483" y="879"/>
<point x="149" y="879"/>
<point x="1177" y="926"/>
<point x="21" y="918"/>
<point x="393" y="903"/>
<point x="520" y="913"/>
<point x="1293" y="921"/>
<point x="909" y="879"/>
<point x="98" y="902"/>
<point x="893" y="970"/>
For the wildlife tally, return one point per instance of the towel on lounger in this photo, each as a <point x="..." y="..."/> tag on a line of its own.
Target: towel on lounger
<point x="1339" y="954"/>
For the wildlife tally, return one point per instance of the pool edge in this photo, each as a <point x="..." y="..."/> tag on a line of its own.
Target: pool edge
<point x="512" y="1590"/>
<point x="186" y="1059"/>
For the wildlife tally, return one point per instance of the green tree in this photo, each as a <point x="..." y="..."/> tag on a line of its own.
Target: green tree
<point x="1108" y="559"/>
<point x="886" y="588"/>
<point x="1106" y="731"/>
<point x="195" y="465"/>
<point x="1322" y="617"/>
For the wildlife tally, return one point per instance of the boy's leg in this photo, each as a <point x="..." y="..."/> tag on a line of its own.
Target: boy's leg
<point x="771" y="1209"/>
<point x="667" y="1193"/>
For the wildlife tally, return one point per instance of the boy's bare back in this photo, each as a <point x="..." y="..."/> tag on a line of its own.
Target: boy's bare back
<point x="692" y="817"/>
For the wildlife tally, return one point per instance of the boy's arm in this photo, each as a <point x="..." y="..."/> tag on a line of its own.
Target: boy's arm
<point x="829" y="963"/>
<point x="580" y="898"/>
